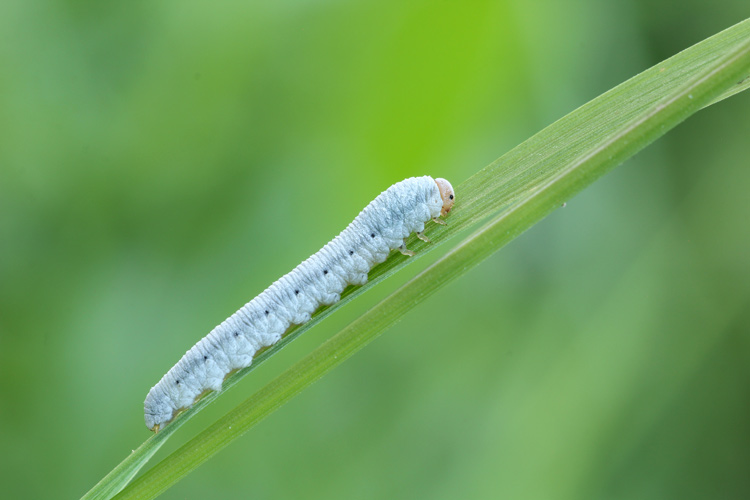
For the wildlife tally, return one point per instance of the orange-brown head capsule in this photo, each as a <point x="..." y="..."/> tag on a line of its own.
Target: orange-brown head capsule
<point x="447" y="194"/>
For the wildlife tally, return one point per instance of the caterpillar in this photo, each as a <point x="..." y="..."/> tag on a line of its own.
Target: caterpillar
<point x="381" y="227"/>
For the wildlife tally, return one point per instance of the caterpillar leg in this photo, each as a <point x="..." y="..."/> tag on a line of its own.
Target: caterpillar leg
<point x="422" y="237"/>
<point x="440" y="221"/>
<point x="406" y="251"/>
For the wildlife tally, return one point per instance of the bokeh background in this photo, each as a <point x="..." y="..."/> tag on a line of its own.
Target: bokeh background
<point x="163" y="162"/>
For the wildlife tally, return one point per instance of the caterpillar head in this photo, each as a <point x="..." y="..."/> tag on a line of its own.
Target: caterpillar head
<point x="447" y="194"/>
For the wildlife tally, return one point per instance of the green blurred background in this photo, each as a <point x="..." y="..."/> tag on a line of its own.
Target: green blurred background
<point x="163" y="162"/>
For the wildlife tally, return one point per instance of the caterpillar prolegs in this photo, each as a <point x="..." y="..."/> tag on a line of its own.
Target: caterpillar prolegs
<point x="393" y="215"/>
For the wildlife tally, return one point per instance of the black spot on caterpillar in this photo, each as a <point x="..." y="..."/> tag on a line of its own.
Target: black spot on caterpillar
<point x="393" y="215"/>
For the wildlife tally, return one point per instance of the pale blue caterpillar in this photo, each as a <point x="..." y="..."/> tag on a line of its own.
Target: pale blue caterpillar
<point x="397" y="212"/>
